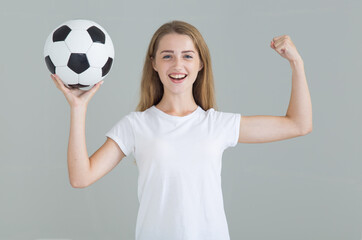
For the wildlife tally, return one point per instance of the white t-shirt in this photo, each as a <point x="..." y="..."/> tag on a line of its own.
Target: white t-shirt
<point x="179" y="164"/>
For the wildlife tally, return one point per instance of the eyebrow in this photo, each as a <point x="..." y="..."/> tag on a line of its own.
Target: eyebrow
<point x="173" y="51"/>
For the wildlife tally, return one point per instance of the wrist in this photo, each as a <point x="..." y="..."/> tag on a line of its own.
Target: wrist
<point x="296" y="62"/>
<point x="78" y="108"/>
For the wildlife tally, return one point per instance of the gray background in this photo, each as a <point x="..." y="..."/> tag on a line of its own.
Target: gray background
<point x="305" y="188"/>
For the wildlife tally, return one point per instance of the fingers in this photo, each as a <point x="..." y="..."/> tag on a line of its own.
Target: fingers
<point x="96" y="86"/>
<point x="67" y="91"/>
<point x="94" y="89"/>
<point x="272" y="45"/>
<point x="275" y="39"/>
<point x="59" y="83"/>
<point x="281" y="40"/>
<point x="280" y="43"/>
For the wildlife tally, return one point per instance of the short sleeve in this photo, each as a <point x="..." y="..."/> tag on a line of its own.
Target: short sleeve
<point x="122" y="133"/>
<point x="229" y="127"/>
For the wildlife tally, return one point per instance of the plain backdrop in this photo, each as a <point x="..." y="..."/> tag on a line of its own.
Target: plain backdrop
<point x="304" y="188"/>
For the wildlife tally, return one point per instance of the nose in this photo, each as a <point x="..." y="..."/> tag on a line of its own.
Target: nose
<point x="178" y="62"/>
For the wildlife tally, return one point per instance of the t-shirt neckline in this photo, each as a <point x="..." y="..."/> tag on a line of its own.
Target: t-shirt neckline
<point x="166" y="115"/>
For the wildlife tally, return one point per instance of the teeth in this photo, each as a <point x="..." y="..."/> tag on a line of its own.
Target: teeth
<point x="178" y="76"/>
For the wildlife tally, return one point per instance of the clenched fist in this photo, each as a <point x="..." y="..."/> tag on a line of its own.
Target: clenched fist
<point x="285" y="47"/>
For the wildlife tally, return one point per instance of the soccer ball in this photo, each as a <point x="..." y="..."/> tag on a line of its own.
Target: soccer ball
<point x="80" y="52"/>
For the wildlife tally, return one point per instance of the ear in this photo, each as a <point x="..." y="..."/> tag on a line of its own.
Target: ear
<point x="201" y="65"/>
<point x="153" y="64"/>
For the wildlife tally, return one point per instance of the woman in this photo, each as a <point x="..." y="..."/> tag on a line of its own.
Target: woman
<point x="177" y="136"/>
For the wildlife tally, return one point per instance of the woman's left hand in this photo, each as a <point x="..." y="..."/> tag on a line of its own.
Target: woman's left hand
<point x="285" y="47"/>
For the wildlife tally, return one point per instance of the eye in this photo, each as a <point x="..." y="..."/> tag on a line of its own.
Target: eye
<point x="188" y="56"/>
<point x="166" y="56"/>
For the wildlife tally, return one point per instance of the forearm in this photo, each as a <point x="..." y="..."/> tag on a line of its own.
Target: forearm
<point x="300" y="105"/>
<point x="78" y="160"/>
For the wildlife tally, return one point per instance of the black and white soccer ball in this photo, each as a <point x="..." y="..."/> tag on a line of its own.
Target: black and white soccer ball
<point x="80" y="52"/>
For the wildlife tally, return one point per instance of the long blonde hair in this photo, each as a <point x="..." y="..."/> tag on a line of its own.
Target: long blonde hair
<point x="151" y="90"/>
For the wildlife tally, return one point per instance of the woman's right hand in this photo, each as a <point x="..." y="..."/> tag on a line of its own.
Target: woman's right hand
<point x="75" y="96"/>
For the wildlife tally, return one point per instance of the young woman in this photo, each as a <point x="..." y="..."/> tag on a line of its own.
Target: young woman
<point x="178" y="138"/>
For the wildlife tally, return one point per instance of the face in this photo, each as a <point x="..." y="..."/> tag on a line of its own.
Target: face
<point x="177" y="62"/>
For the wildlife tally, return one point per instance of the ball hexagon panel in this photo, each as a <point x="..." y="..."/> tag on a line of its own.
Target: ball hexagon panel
<point x="97" y="55"/>
<point x="58" y="53"/>
<point x="78" y="41"/>
<point x="109" y="47"/>
<point x="68" y="74"/>
<point x="91" y="76"/>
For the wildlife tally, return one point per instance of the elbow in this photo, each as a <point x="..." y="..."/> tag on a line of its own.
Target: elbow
<point x="306" y="131"/>
<point x="77" y="184"/>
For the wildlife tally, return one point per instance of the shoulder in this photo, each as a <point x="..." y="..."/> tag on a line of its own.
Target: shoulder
<point x="220" y="115"/>
<point x="139" y="115"/>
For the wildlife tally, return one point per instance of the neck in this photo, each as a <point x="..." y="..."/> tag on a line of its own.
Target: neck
<point x="177" y="105"/>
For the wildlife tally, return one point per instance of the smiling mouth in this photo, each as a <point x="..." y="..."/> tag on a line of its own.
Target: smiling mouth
<point x="178" y="77"/>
